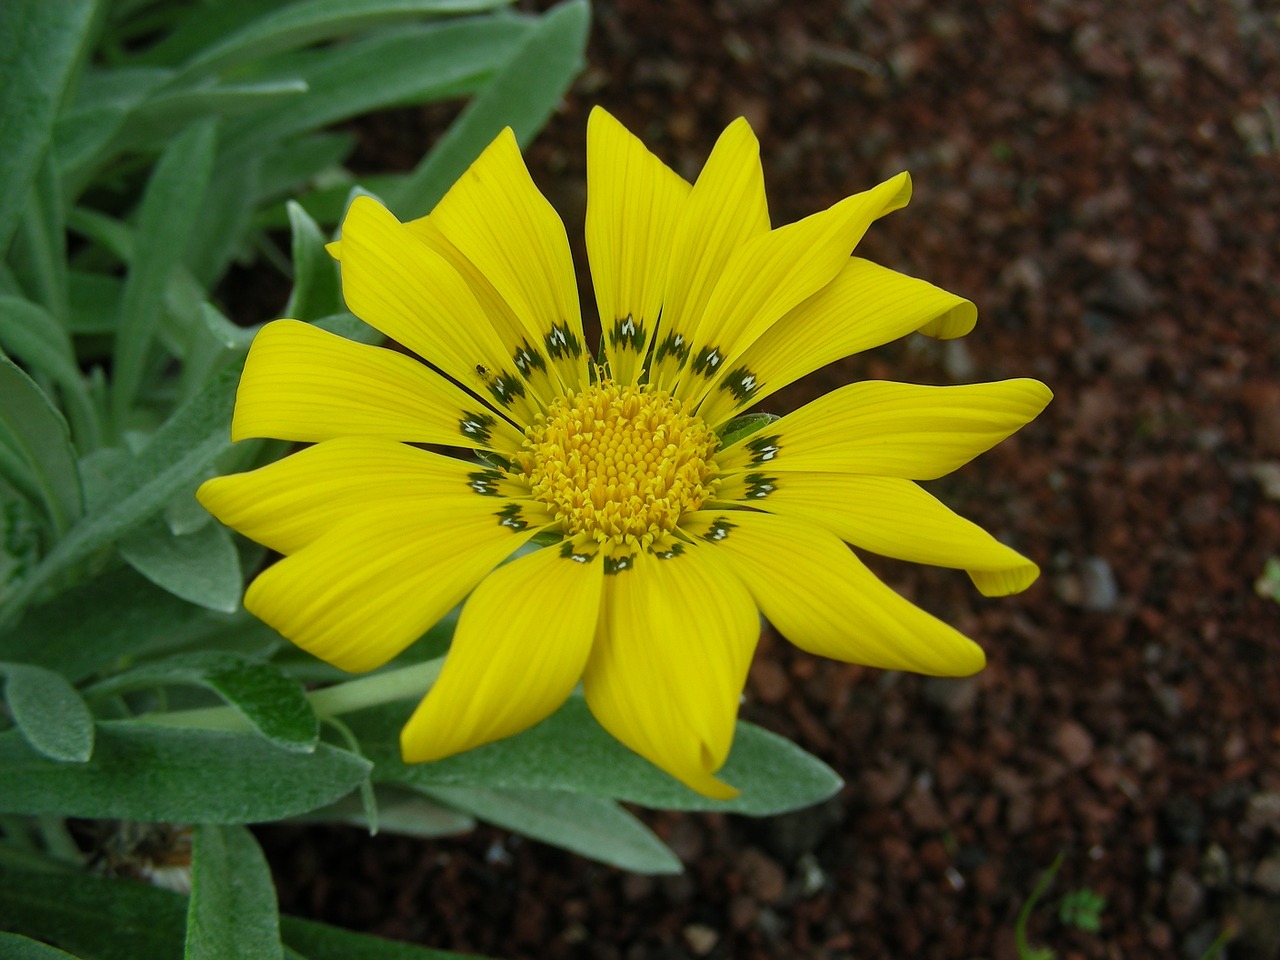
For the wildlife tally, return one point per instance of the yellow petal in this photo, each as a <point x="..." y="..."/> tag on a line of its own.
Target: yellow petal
<point x="500" y="222"/>
<point x="890" y="429"/>
<point x="521" y="346"/>
<point x="519" y="650"/>
<point x="725" y="209"/>
<point x="292" y="502"/>
<point x="866" y="305"/>
<point x="670" y="659"/>
<point x="372" y="585"/>
<point x="819" y="596"/>
<point x="400" y="286"/>
<point x="768" y="276"/>
<point x="301" y="383"/>
<point x="891" y="517"/>
<point x="633" y="204"/>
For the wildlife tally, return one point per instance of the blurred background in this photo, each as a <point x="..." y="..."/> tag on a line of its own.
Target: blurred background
<point x="1101" y="179"/>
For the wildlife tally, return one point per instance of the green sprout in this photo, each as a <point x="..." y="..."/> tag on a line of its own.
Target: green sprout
<point x="1082" y="909"/>
<point x="1025" y="950"/>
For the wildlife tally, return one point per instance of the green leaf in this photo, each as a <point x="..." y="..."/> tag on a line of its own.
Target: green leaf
<point x="316" y="292"/>
<point x="232" y="912"/>
<point x="400" y="811"/>
<point x="305" y="23"/>
<point x="178" y="453"/>
<point x="591" y="826"/>
<point x="414" y="64"/>
<point x="170" y="110"/>
<point x="49" y="712"/>
<point x="569" y="751"/>
<point x="521" y="95"/>
<point x="166" y="218"/>
<point x="744" y="426"/>
<point x="39" y="44"/>
<point x="125" y="920"/>
<point x="144" y="772"/>
<point x="17" y="947"/>
<point x="319" y="941"/>
<point x="41" y="462"/>
<point x="202" y="567"/>
<point x="102" y="621"/>
<point x="31" y="334"/>
<point x="273" y="702"/>
<point x="93" y="916"/>
<point x="38" y="255"/>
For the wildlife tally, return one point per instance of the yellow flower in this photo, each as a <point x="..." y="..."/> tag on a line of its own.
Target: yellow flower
<point x="660" y="537"/>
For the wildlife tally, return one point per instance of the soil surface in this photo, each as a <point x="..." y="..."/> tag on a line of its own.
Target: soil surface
<point x="1101" y="179"/>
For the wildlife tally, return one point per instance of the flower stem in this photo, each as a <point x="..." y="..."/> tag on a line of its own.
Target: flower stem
<point x="400" y="684"/>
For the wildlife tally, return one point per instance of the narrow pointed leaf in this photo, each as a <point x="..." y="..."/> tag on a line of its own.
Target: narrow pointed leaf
<point x="594" y="827"/>
<point x="232" y="911"/>
<point x="165" y="221"/>
<point x="521" y="95"/>
<point x="144" y="772"/>
<point x="38" y="445"/>
<point x="39" y="43"/>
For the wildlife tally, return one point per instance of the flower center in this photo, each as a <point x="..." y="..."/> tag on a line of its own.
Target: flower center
<point x="621" y="464"/>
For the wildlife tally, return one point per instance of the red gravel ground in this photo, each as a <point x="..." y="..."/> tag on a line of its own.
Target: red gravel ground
<point x="1101" y="179"/>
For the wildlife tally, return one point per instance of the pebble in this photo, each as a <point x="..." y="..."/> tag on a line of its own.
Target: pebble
<point x="1099" y="591"/>
<point x="763" y="878"/>
<point x="1263" y="812"/>
<point x="1074" y="743"/>
<point x="1184" y="898"/>
<point x="1266" y="875"/>
<point x="701" y="938"/>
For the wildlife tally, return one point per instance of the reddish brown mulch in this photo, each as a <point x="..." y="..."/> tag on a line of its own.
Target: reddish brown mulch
<point x="1102" y="180"/>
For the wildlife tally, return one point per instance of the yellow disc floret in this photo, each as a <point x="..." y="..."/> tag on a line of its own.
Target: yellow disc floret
<point x="621" y="464"/>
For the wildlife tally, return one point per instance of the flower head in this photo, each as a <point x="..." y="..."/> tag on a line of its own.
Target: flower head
<point x="662" y="529"/>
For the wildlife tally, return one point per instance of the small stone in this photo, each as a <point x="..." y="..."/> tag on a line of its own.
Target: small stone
<point x="700" y="938"/>
<point x="1215" y="867"/>
<point x="1099" y="591"/>
<point x="1266" y="875"/>
<point x="762" y="877"/>
<point x="1263" y="812"/>
<point x="1074" y="743"/>
<point x="1184" y="898"/>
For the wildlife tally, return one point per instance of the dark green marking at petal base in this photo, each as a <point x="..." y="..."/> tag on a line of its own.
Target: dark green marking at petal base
<point x="476" y="426"/>
<point x="742" y="383"/>
<point x="764" y="449"/>
<point x="670" y="553"/>
<point x="628" y="331"/>
<point x="759" y="486"/>
<point x="561" y="342"/>
<point x="504" y="387"/>
<point x="567" y="551"/>
<point x="485" y="482"/>
<point x="672" y="345"/>
<point x="718" y="530"/>
<point x="511" y="517"/>
<point x="618" y="564"/>
<point x="527" y="358"/>
<point x="707" y="360"/>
